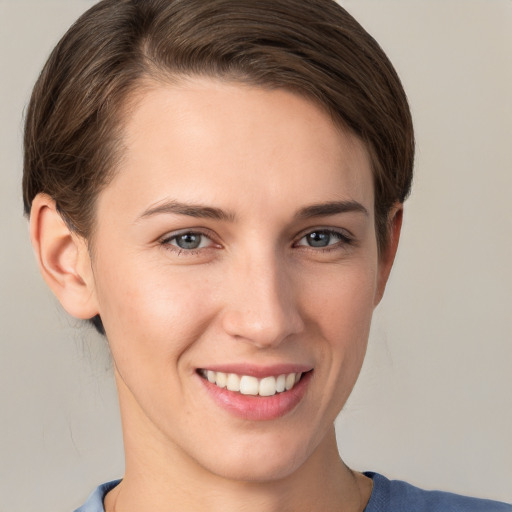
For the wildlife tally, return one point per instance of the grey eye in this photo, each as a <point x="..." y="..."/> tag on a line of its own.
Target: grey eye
<point x="323" y="238"/>
<point x="188" y="240"/>
<point x="319" y="239"/>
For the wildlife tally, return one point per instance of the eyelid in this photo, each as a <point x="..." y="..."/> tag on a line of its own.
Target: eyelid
<point x="165" y="240"/>
<point x="345" y="238"/>
<point x="341" y="232"/>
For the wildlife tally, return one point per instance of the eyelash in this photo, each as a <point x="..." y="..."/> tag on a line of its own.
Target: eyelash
<point x="166" y="243"/>
<point x="344" y="240"/>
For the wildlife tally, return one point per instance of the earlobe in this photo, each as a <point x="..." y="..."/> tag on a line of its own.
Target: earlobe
<point x="387" y="257"/>
<point x="63" y="259"/>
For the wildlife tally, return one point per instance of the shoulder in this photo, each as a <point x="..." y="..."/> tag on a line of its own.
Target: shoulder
<point x="398" y="496"/>
<point x="94" y="502"/>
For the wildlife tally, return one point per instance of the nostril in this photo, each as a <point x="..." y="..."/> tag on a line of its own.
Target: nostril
<point x="269" y="332"/>
<point x="261" y="307"/>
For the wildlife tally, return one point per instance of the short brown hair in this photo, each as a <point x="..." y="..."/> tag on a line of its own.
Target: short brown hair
<point x="312" y="47"/>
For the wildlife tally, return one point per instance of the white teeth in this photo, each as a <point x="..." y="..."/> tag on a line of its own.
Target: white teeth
<point x="249" y="385"/>
<point x="233" y="382"/>
<point x="267" y="386"/>
<point x="220" y="379"/>
<point x="290" y="381"/>
<point x="281" y="383"/>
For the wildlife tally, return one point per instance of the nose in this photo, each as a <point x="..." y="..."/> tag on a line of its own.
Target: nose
<point x="261" y="306"/>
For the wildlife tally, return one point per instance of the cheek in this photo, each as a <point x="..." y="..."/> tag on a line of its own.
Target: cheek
<point x="343" y="306"/>
<point x="147" y="310"/>
<point x="342" y="301"/>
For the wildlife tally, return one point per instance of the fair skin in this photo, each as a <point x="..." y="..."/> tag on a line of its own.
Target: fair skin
<point x="238" y="237"/>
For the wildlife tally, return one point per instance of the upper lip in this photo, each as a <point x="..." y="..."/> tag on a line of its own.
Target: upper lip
<point x="257" y="370"/>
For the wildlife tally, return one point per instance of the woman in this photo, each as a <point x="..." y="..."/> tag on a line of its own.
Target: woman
<point x="218" y="187"/>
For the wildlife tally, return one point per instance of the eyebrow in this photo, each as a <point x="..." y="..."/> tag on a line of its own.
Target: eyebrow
<point x="330" y="208"/>
<point x="210" y="212"/>
<point x="191" y="210"/>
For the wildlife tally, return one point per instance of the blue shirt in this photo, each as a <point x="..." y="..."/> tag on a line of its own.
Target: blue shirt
<point x="387" y="496"/>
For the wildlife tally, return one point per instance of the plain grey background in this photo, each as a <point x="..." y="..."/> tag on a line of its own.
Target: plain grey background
<point x="433" y="404"/>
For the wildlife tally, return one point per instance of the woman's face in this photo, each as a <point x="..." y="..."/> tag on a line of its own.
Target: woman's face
<point x="235" y="246"/>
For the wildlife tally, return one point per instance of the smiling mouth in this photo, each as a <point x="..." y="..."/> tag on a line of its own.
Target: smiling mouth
<point x="249" y="385"/>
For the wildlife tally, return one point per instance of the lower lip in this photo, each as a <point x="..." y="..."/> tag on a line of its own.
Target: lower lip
<point x="258" y="408"/>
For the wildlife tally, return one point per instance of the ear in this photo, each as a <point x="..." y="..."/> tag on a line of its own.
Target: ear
<point x="387" y="256"/>
<point x="63" y="259"/>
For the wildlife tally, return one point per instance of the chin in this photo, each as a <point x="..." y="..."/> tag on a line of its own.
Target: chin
<point x="245" y="470"/>
<point x="259" y="462"/>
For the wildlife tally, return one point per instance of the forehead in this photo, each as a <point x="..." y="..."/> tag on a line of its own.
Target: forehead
<point x="211" y="140"/>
